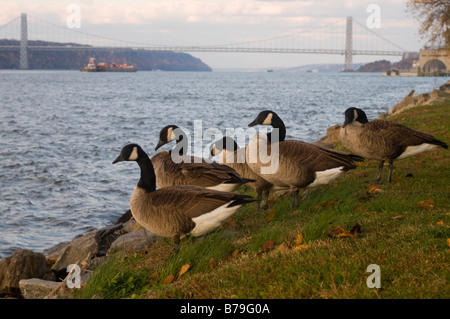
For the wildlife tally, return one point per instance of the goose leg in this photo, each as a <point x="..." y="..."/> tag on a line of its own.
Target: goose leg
<point x="176" y="241"/>
<point x="258" y="199"/>
<point x="294" y="195"/>
<point x="391" y="168"/>
<point x="380" y="170"/>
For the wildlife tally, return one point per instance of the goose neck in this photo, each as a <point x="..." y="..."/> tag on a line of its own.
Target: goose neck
<point x="148" y="178"/>
<point x="278" y="124"/>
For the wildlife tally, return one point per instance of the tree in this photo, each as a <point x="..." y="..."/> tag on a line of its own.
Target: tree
<point x="434" y="20"/>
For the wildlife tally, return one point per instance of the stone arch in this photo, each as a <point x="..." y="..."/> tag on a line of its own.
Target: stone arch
<point x="434" y="65"/>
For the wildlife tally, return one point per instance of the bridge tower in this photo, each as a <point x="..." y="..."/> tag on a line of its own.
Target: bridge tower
<point x="23" y="42"/>
<point x="349" y="45"/>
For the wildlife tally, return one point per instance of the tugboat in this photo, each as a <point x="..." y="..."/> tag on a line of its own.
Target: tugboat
<point x="104" y="67"/>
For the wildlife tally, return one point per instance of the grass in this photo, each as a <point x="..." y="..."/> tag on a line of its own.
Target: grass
<point x="404" y="225"/>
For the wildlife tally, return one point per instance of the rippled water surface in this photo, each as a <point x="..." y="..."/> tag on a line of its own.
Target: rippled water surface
<point x="60" y="131"/>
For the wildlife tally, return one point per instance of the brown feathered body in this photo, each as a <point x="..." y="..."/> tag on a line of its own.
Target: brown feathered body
<point x="300" y="164"/>
<point x="385" y="141"/>
<point x="236" y="160"/>
<point x="174" y="210"/>
<point x="189" y="170"/>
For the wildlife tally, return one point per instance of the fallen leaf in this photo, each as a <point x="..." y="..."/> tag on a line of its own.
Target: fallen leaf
<point x="375" y="189"/>
<point x="338" y="232"/>
<point x="330" y="203"/>
<point x="345" y="235"/>
<point x="317" y="208"/>
<point x="440" y="223"/>
<point x="235" y="253"/>
<point x="448" y="242"/>
<point x="271" y="216"/>
<point x="299" y="240"/>
<point x="168" y="280"/>
<point x="335" y="231"/>
<point x="212" y="262"/>
<point x="399" y="217"/>
<point x="183" y="269"/>
<point x="426" y="203"/>
<point x="268" y="245"/>
<point x="300" y="247"/>
<point x="360" y="207"/>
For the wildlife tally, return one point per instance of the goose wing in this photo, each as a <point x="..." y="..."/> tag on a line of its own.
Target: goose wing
<point x="316" y="157"/>
<point x="194" y="201"/>
<point x="400" y="134"/>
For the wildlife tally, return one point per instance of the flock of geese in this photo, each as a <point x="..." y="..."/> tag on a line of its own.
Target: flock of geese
<point x="193" y="196"/>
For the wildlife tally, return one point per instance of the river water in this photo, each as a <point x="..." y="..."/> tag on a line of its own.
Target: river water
<point x="60" y="131"/>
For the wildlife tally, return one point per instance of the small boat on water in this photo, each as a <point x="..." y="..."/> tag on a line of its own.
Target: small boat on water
<point x="104" y="67"/>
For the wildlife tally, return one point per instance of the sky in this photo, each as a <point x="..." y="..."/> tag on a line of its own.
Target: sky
<point x="217" y="22"/>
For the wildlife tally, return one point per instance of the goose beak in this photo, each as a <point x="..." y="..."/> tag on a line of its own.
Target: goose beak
<point x="255" y="122"/>
<point x="160" y="143"/>
<point x="118" y="159"/>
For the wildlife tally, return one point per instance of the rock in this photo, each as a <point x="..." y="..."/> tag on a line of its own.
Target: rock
<point x="408" y="102"/>
<point x="107" y="236"/>
<point x="445" y="88"/>
<point x="37" y="288"/>
<point x="22" y="264"/>
<point x="132" y="226"/>
<point x="125" y="217"/>
<point x="79" y="250"/>
<point x="135" y="241"/>
<point x="332" y="137"/>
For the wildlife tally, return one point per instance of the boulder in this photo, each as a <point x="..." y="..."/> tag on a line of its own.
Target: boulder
<point x="37" y="288"/>
<point x="78" y="251"/>
<point x="132" y="226"/>
<point x="332" y="137"/>
<point x="135" y="241"/>
<point x="408" y="102"/>
<point x="22" y="264"/>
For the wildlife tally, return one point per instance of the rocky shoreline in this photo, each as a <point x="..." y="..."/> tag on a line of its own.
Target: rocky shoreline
<point x="31" y="275"/>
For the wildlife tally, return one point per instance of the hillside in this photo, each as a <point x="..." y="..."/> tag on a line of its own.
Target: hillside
<point x="383" y="65"/>
<point x="75" y="60"/>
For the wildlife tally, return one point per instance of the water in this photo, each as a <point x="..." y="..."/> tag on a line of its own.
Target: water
<point x="60" y="131"/>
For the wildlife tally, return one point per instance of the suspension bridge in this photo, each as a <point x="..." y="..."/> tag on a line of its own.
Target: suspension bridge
<point x="346" y="37"/>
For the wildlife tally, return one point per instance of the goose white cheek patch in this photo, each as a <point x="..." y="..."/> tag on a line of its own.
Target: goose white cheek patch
<point x="134" y="154"/>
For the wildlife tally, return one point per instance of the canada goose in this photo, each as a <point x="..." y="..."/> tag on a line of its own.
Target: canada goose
<point x="231" y="155"/>
<point x="383" y="140"/>
<point x="176" y="211"/>
<point x="297" y="164"/>
<point x="190" y="170"/>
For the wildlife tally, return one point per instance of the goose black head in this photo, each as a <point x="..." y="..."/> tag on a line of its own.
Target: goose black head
<point x="263" y="118"/>
<point x="353" y="114"/>
<point x="168" y="134"/>
<point x="129" y="152"/>
<point x="226" y="143"/>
